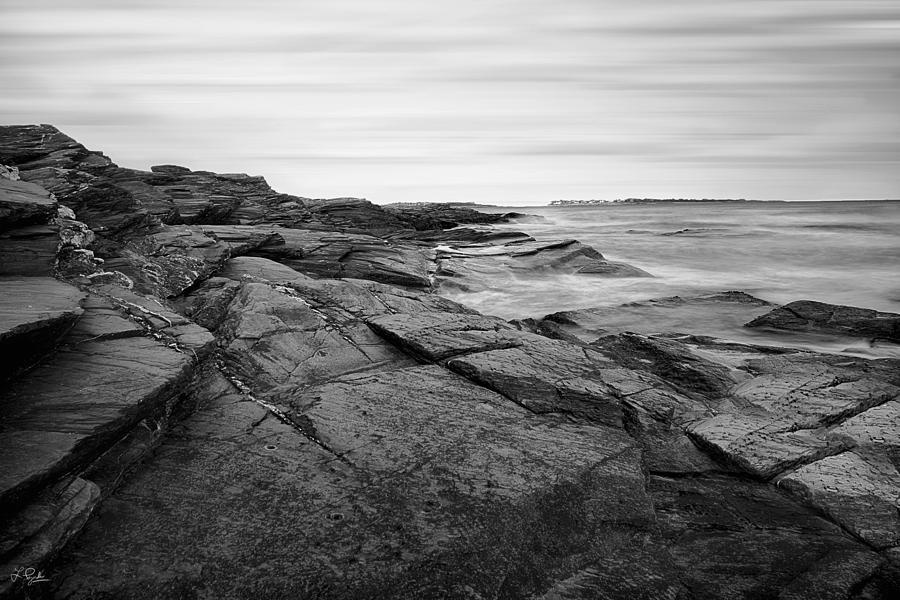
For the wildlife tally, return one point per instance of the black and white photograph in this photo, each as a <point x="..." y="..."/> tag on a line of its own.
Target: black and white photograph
<point x="471" y="300"/>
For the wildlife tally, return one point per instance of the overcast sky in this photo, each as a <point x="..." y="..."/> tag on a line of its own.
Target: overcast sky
<point x="497" y="101"/>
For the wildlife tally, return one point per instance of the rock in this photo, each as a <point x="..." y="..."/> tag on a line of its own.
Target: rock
<point x="170" y="260"/>
<point x="426" y="216"/>
<point x="255" y="268"/>
<point x="876" y="429"/>
<point x="29" y="251"/>
<point x="353" y="215"/>
<point x="32" y="536"/>
<point x="613" y="269"/>
<point x="730" y="538"/>
<point x="336" y="255"/>
<point x="437" y="337"/>
<point x="9" y="173"/>
<point x="859" y="490"/>
<point x="260" y="395"/>
<point x="32" y="146"/>
<point x="761" y="447"/>
<point x="464" y="236"/>
<point x="686" y="371"/>
<point x="542" y="375"/>
<point x="23" y="203"/>
<point x="155" y="318"/>
<point x="793" y="403"/>
<point x="480" y="267"/>
<point x="51" y="427"/>
<point x="722" y="314"/>
<point x="368" y="491"/>
<point x="806" y="315"/>
<point x="35" y="312"/>
<point x="271" y="336"/>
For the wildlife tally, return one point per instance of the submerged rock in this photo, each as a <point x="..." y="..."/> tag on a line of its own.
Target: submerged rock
<point x="427" y="216"/>
<point x="481" y="267"/>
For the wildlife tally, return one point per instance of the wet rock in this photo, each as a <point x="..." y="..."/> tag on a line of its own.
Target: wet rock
<point x="29" y="251"/>
<point x="156" y="319"/>
<point x="436" y="336"/>
<point x="50" y="427"/>
<point x="396" y="477"/>
<point x="335" y="255"/>
<point x="170" y="260"/>
<point x="808" y="391"/>
<point x="736" y="539"/>
<point x="33" y="535"/>
<point x="425" y="216"/>
<point x="271" y="336"/>
<point x="672" y="361"/>
<point x="481" y="267"/>
<point x="721" y="314"/>
<point x="876" y="429"/>
<point x="9" y="173"/>
<point x="806" y="315"/>
<point x="761" y="447"/>
<point x="859" y="490"/>
<point x="256" y="268"/>
<point x="279" y="344"/>
<point x="353" y="215"/>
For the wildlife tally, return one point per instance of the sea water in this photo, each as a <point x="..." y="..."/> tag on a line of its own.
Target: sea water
<point x="836" y="252"/>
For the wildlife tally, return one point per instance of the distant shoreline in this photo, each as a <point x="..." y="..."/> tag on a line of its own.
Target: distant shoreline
<point x="620" y="202"/>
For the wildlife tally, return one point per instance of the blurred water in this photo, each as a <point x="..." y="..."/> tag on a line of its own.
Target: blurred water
<point x="836" y="252"/>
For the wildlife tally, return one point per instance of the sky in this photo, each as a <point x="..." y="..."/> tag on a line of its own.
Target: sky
<point x="491" y="101"/>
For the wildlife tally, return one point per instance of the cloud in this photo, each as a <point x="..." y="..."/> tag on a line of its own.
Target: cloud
<point x="477" y="93"/>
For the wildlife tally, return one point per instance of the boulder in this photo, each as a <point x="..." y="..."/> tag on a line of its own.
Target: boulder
<point x="809" y="316"/>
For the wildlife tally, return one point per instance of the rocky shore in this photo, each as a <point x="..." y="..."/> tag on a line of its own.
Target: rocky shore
<point x="214" y="390"/>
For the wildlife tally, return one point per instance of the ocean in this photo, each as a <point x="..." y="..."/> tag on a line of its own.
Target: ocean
<point x="835" y="252"/>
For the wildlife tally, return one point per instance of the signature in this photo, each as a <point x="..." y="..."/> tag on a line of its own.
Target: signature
<point x="31" y="575"/>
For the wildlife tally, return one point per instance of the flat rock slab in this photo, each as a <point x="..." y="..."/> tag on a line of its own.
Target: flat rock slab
<point x="439" y="336"/>
<point x="34" y="313"/>
<point x="69" y="409"/>
<point x="32" y="536"/>
<point x="807" y="391"/>
<point x="23" y="203"/>
<point x="806" y="315"/>
<point x="29" y="251"/>
<point x="170" y="261"/>
<point x="762" y="448"/>
<point x="859" y="490"/>
<point x="722" y="314"/>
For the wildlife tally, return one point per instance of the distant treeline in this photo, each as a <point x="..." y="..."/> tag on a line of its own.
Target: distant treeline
<point x="644" y="201"/>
